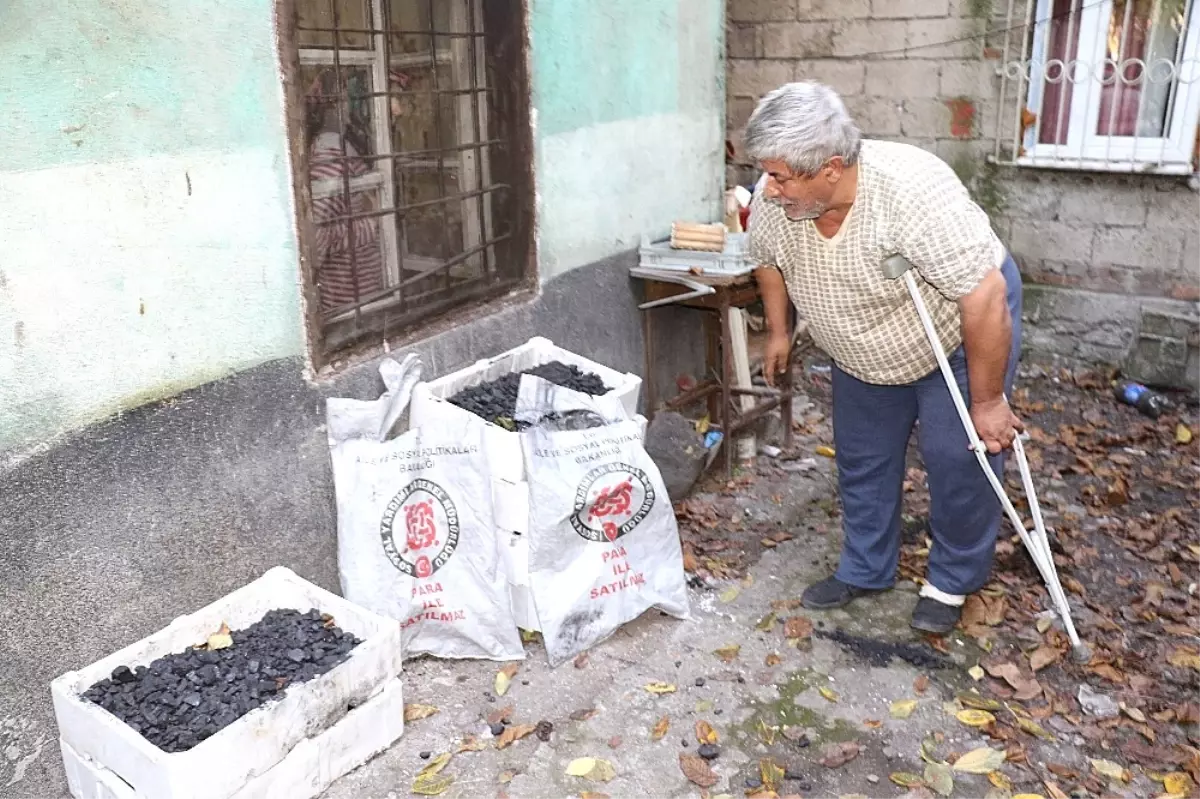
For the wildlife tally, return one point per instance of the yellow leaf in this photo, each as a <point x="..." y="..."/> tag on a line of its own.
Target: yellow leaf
<point x="906" y="780"/>
<point x="435" y="765"/>
<point x="702" y="424"/>
<point x="591" y="768"/>
<point x="507" y="776"/>
<point x="513" y="734"/>
<point x="660" y="729"/>
<point x="1177" y="783"/>
<point x="765" y="733"/>
<point x="976" y="701"/>
<point x="1114" y="771"/>
<point x="825" y="452"/>
<point x="903" y="708"/>
<point x="221" y="639"/>
<point x="592" y="795"/>
<point x="705" y="733"/>
<point x="704" y="706"/>
<point x="770" y="773"/>
<point x="1183" y="433"/>
<point x="980" y="761"/>
<point x="1044" y="623"/>
<point x="471" y="744"/>
<point x="1034" y="729"/>
<point x="729" y="594"/>
<point x="415" y="712"/>
<point x="1185" y="657"/>
<point x="976" y="673"/>
<point x="529" y="636"/>
<point x="728" y="653"/>
<point x="504" y="678"/>
<point x="433" y="785"/>
<point x="1028" y="796"/>
<point x="828" y="694"/>
<point x="938" y="776"/>
<point x="659" y="688"/>
<point x="999" y="780"/>
<point x="975" y="718"/>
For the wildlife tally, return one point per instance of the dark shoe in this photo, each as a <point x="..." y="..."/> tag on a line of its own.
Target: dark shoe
<point x="935" y="617"/>
<point x="833" y="593"/>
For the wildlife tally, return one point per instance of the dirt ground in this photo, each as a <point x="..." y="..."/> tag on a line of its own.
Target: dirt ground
<point x="852" y="703"/>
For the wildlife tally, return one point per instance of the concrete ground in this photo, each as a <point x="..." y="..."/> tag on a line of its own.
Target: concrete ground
<point x="766" y="702"/>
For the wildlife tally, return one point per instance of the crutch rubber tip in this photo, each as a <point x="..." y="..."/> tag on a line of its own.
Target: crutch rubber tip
<point x="1081" y="653"/>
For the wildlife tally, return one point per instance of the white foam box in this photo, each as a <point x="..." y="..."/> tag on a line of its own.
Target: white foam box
<point x="307" y="771"/>
<point x="240" y="756"/>
<point x="430" y="400"/>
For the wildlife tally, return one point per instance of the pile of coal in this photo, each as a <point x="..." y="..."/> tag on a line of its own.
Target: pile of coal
<point x="497" y="401"/>
<point x="184" y="698"/>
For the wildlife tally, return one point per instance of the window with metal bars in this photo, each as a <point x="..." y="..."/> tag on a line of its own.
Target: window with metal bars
<point x="1104" y="85"/>
<point x="412" y="155"/>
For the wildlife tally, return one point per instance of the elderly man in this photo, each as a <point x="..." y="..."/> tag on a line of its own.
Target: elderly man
<point x="829" y="209"/>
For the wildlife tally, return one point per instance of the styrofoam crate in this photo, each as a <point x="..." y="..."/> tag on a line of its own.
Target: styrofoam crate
<point x="505" y="461"/>
<point x="217" y="768"/>
<point x="733" y="260"/>
<point x="308" y="770"/>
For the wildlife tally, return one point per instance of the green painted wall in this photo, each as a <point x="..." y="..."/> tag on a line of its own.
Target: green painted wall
<point x="629" y="103"/>
<point x="145" y="201"/>
<point x="144" y="206"/>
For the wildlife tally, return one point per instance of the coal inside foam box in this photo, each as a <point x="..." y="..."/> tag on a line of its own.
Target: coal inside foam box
<point x="295" y="746"/>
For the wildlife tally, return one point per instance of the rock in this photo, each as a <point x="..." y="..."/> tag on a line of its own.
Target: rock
<point x="873" y="779"/>
<point x="677" y="450"/>
<point x="753" y="783"/>
<point x="544" y="730"/>
<point x="425" y="755"/>
<point x="699" y="682"/>
<point x="497" y="729"/>
<point x="709" y="751"/>
<point x="1097" y="704"/>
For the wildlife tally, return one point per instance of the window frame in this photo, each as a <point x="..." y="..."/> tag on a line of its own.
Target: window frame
<point x="1084" y="149"/>
<point x="328" y="347"/>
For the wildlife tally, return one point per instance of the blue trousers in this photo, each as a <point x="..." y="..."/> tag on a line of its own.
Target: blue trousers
<point x="871" y="427"/>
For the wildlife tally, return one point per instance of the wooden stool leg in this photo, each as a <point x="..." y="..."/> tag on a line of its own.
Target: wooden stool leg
<point x="787" y="387"/>
<point x="726" y="382"/>
<point x="648" y="348"/>
<point x="712" y="366"/>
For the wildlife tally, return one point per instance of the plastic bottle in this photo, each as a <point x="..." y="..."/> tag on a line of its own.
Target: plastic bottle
<point x="1150" y="403"/>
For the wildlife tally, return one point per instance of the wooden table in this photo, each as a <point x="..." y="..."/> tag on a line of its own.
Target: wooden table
<point x="717" y="387"/>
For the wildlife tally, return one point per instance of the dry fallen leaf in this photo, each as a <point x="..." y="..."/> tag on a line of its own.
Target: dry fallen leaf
<point x="976" y="701"/>
<point x="797" y="627"/>
<point x="583" y="714"/>
<point x="591" y="768"/>
<point x="939" y="777"/>
<point x="1043" y="656"/>
<point x="581" y="660"/>
<point x="470" y="743"/>
<point x="1185" y="657"/>
<point x="1000" y="781"/>
<point x="767" y="622"/>
<point x="1054" y="791"/>
<point x="1183" y="434"/>
<point x="730" y="593"/>
<point x="504" y="678"/>
<point x="415" y="712"/>
<point x="921" y="684"/>
<point x="705" y="733"/>
<point x="221" y="639"/>
<point x="660" y="729"/>
<point x="513" y="734"/>
<point x="773" y="659"/>
<point x="697" y="770"/>
<point x="771" y="774"/>
<point x="903" y="708"/>
<point x="837" y="755"/>
<point x="980" y="761"/>
<point x="427" y="783"/>
<point x="1031" y="727"/>
<point x="976" y="673"/>
<point x="728" y="653"/>
<point x="507" y="776"/>
<point x="828" y="693"/>
<point x="975" y="718"/>
<point x="1114" y="771"/>
<point x="1177" y="783"/>
<point x="906" y="780"/>
<point x="659" y="688"/>
<point x="592" y="795"/>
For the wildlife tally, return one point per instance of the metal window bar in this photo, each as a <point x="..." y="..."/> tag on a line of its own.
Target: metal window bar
<point x="1076" y="141"/>
<point x="401" y="302"/>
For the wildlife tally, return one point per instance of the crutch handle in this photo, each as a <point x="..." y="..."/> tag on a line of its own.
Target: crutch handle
<point x="894" y="266"/>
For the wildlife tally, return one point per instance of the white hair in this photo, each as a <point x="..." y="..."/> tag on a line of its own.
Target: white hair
<point x="804" y="125"/>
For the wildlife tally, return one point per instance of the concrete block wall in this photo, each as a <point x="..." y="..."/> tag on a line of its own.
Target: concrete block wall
<point x="926" y="72"/>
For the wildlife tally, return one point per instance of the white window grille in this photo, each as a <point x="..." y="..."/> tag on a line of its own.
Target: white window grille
<point x="1101" y="85"/>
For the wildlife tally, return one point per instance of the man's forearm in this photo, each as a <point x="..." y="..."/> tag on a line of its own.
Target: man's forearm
<point x="987" y="337"/>
<point x="775" y="300"/>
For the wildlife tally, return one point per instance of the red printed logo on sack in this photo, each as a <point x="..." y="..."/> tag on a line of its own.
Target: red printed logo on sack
<point x="611" y="501"/>
<point x="420" y="528"/>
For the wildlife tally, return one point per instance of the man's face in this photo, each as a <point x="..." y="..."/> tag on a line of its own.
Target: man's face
<point x="800" y="196"/>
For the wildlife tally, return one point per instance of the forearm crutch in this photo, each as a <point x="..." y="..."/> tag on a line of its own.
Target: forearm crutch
<point x="1036" y="540"/>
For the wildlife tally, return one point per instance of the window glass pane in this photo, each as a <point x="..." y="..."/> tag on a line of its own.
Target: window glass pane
<point x="415" y="118"/>
<point x="337" y="115"/>
<point x="350" y="14"/>
<point x="348" y="252"/>
<point x="411" y="21"/>
<point x="433" y="231"/>
<point x="1139" y="67"/>
<point x="1062" y="44"/>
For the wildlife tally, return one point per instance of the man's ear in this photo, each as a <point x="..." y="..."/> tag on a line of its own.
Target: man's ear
<point x="834" y="168"/>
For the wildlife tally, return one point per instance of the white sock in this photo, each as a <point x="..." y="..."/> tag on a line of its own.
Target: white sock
<point x="954" y="600"/>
